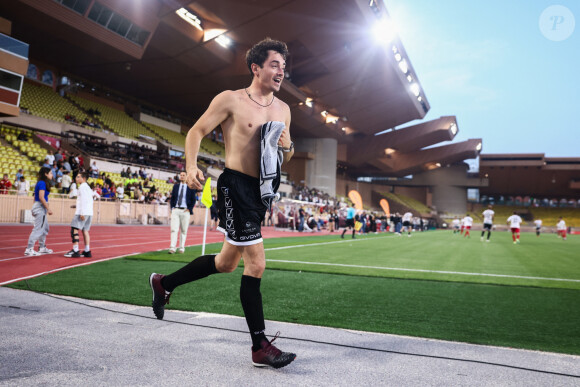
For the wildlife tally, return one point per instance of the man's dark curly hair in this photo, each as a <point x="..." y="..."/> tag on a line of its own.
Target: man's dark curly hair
<point x="259" y="53"/>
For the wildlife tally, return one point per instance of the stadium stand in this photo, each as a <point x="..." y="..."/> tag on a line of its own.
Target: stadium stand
<point x="42" y="101"/>
<point x="413" y="205"/>
<point x="166" y="134"/>
<point x="116" y="120"/>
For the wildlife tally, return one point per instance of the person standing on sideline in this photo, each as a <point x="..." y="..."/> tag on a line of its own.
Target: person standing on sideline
<point x="407" y="218"/>
<point x="561" y="228"/>
<point x="213" y="214"/>
<point x="350" y="213"/>
<point x="487" y="222"/>
<point x="538" y="223"/>
<point x="83" y="217"/>
<point x="255" y="127"/>
<point x="515" y="221"/>
<point x="467" y="223"/>
<point x="40" y="210"/>
<point x="182" y="203"/>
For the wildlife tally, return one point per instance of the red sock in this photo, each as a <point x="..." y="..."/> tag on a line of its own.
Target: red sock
<point x="514" y="237"/>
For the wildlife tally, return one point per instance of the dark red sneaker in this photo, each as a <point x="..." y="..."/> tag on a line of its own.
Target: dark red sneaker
<point x="160" y="295"/>
<point x="270" y="356"/>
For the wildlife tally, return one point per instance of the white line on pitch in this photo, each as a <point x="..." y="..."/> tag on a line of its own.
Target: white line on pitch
<point x="325" y="243"/>
<point x="424" y="271"/>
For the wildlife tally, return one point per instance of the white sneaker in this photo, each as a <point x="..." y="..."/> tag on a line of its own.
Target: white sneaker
<point x="44" y="250"/>
<point x="31" y="252"/>
<point x="182" y="251"/>
<point x="487" y="240"/>
<point x="171" y="251"/>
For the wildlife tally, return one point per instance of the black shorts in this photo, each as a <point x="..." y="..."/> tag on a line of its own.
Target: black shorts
<point x="240" y="208"/>
<point x="487" y="226"/>
<point x="350" y="223"/>
<point x="406" y="223"/>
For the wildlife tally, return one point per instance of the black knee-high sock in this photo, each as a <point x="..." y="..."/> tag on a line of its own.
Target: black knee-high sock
<point x="199" y="268"/>
<point x="483" y="233"/>
<point x="488" y="234"/>
<point x="252" y="304"/>
<point x="343" y="231"/>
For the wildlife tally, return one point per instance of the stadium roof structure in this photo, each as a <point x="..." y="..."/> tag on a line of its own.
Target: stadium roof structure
<point x="340" y="82"/>
<point x="353" y="84"/>
<point x="410" y="150"/>
<point x="531" y="174"/>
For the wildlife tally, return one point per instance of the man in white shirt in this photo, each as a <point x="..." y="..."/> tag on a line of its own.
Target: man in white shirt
<point x="515" y="221"/>
<point x="22" y="185"/>
<point x="538" y="223"/>
<point x="467" y="223"/>
<point x="455" y="223"/>
<point x="66" y="182"/>
<point x="407" y="217"/>
<point x="561" y="228"/>
<point x="487" y="222"/>
<point x="83" y="217"/>
<point x="120" y="192"/>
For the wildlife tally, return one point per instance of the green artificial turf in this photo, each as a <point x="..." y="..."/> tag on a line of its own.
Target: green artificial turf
<point x="508" y="311"/>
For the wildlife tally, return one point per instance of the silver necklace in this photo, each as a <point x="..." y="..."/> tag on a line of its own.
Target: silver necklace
<point x="249" y="95"/>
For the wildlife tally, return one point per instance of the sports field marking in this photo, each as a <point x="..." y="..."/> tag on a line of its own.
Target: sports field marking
<point x="325" y="243"/>
<point x="423" y="271"/>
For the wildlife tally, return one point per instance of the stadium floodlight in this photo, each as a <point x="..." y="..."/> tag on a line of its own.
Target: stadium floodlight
<point x="324" y="113"/>
<point x="403" y="66"/>
<point x="478" y="147"/>
<point x="223" y="41"/>
<point x="308" y="102"/>
<point x="330" y="119"/>
<point x="453" y="128"/>
<point x="389" y="151"/>
<point x="398" y="57"/>
<point x="218" y="35"/>
<point x="384" y="32"/>
<point x="415" y="89"/>
<point x="190" y="18"/>
<point x="410" y="78"/>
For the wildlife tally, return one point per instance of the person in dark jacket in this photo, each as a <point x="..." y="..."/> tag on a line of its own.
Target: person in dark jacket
<point x="182" y="203"/>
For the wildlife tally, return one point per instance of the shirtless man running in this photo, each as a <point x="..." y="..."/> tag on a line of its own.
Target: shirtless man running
<point x="241" y="114"/>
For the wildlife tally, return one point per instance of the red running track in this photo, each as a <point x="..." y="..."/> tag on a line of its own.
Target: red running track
<point x="107" y="242"/>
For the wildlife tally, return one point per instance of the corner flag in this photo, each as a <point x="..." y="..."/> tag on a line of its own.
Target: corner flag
<point x="206" y="195"/>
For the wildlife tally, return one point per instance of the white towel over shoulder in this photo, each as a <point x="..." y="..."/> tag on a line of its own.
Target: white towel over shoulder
<point x="270" y="160"/>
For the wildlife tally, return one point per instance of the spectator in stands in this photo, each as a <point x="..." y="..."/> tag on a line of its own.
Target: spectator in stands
<point x="50" y="157"/>
<point x="65" y="182"/>
<point x="5" y="184"/>
<point x="40" y="210"/>
<point x="142" y="174"/>
<point x="66" y="165"/>
<point x="120" y="192"/>
<point x="19" y="174"/>
<point x="94" y="170"/>
<point x="58" y="156"/>
<point x="22" y="136"/>
<point x="96" y="191"/>
<point x="22" y="186"/>
<point x="106" y="192"/>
